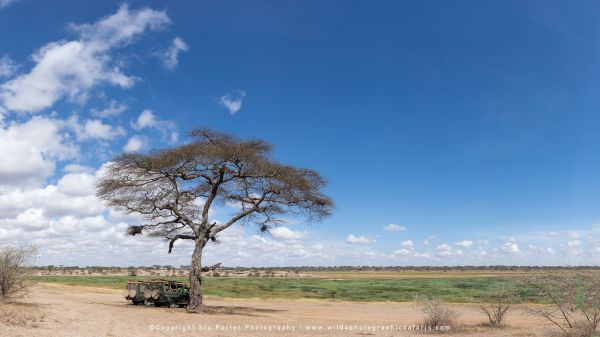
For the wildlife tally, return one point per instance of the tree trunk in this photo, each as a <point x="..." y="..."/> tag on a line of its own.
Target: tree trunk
<point x="196" y="304"/>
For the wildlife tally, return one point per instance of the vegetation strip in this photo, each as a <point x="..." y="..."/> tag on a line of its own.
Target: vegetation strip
<point x="454" y="289"/>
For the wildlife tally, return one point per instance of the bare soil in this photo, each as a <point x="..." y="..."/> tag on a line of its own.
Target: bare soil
<point x="57" y="310"/>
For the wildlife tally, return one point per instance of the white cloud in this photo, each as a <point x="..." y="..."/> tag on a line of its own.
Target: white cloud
<point x="464" y="243"/>
<point x="71" y="68"/>
<point x="510" y="247"/>
<point x="259" y="238"/>
<point x="76" y="168"/>
<point x="443" y="247"/>
<point x="134" y="144"/>
<point x="6" y="3"/>
<point x="285" y="234"/>
<point x="408" y="244"/>
<point x="96" y="129"/>
<point x="122" y="27"/>
<point x="170" y="57"/>
<point x="233" y="101"/>
<point x="114" y="108"/>
<point x="403" y="252"/>
<point x="30" y="151"/>
<point x="146" y="119"/>
<point x="77" y="184"/>
<point x="60" y="212"/>
<point x="8" y="67"/>
<point x="569" y="234"/>
<point x="394" y="228"/>
<point x="55" y="200"/>
<point x="360" y="239"/>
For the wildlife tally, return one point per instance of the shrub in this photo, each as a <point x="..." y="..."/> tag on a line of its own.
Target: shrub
<point x="13" y="273"/>
<point x="572" y="301"/>
<point x="437" y="313"/>
<point x="496" y="305"/>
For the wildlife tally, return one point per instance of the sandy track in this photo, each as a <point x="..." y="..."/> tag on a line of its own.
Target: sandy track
<point x="82" y="311"/>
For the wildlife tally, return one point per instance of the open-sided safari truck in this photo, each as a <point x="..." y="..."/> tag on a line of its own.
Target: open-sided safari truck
<point x="158" y="292"/>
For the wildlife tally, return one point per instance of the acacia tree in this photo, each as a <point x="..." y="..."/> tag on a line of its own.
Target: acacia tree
<point x="175" y="189"/>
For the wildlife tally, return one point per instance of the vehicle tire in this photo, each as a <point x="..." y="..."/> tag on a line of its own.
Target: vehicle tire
<point x="155" y="294"/>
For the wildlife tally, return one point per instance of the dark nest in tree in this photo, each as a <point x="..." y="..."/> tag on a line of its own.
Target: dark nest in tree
<point x="134" y="230"/>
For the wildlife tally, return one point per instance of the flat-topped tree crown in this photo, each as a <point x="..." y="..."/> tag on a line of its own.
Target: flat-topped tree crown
<point x="175" y="188"/>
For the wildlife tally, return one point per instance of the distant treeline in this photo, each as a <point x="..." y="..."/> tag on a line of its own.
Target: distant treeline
<point x="331" y="268"/>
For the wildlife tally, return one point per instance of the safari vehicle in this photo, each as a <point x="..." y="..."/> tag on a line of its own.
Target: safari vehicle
<point x="158" y="292"/>
<point x="134" y="291"/>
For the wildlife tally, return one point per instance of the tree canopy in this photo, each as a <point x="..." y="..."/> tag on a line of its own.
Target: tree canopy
<point x="175" y="188"/>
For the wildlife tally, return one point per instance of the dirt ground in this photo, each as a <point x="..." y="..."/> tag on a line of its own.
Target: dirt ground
<point x="57" y="310"/>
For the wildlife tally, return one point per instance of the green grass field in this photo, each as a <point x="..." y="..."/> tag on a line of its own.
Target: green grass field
<point x="454" y="289"/>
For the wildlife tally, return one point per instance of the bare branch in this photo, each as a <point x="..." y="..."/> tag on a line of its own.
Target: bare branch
<point x="178" y="237"/>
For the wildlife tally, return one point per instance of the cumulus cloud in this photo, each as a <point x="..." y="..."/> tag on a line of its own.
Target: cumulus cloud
<point x="114" y="108"/>
<point x="394" y="228"/>
<point x="464" y="243"/>
<point x="71" y="68"/>
<point x="65" y="219"/>
<point x="73" y="195"/>
<point x="171" y="56"/>
<point x="122" y="27"/>
<point x="407" y="244"/>
<point x="233" y="101"/>
<point x="403" y="252"/>
<point x="96" y="129"/>
<point x="146" y="119"/>
<point x="285" y="234"/>
<point x="443" y="247"/>
<point x="360" y="239"/>
<point x="58" y="209"/>
<point x="77" y="168"/>
<point x="31" y="149"/>
<point x="77" y="184"/>
<point x="8" y="67"/>
<point x="134" y="144"/>
<point x="510" y="248"/>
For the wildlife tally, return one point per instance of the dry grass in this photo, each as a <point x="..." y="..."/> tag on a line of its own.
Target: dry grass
<point x="21" y="314"/>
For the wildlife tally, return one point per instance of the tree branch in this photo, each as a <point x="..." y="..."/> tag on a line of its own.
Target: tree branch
<point x="177" y="237"/>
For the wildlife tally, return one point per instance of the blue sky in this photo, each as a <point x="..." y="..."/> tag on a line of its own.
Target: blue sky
<point x="471" y="126"/>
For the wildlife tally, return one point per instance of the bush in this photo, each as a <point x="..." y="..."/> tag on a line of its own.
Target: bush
<point x="497" y="304"/>
<point x="437" y="313"/>
<point x="573" y="301"/>
<point x="13" y="273"/>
